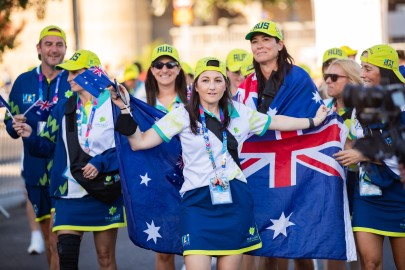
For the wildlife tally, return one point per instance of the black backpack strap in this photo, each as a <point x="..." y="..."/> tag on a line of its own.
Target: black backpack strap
<point x="76" y="153"/>
<point x="215" y="127"/>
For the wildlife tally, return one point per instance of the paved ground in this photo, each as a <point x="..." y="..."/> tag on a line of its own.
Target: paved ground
<point x="15" y="237"/>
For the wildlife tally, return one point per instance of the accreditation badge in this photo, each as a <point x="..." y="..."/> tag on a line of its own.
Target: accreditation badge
<point x="220" y="190"/>
<point x="366" y="187"/>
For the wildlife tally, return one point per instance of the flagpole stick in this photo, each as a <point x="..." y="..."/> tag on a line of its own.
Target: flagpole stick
<point x="32" y="106"/>
<point x="11" y="115"/>
<point x="122" y="97"/>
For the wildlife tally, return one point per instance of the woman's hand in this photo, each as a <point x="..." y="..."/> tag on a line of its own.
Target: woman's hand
<point x="116" y="99"/>
<point x="320" y="115"/>
<point x="89" y="171"/>
<point x="23" y="130"/>
<point x="349" y="157"/>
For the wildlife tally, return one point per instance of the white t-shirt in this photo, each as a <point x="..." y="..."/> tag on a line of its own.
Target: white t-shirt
<point x="198" y="168"/>
<point x="101" y="138"/>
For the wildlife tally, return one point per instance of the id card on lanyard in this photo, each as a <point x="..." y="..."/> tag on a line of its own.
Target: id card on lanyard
<point x="366" y="187"/>
<point x="219" y="185"/>
<point x="41" y="124"/>
<point x="79" y="115"/>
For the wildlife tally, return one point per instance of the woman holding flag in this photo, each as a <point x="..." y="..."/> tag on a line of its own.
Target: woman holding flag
<point x="216" y="213"/>
<point x="166" y="89"/>
<point x="81" y="126"/>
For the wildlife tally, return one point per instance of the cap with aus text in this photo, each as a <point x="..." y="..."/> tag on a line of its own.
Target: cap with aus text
<point x="265" y="27"/>
<point x="165" y="50"/>
<point x="52" y="30"/>
<point x="235" y="58"/>
<point x="333" y="53"/>
<point x="383" y="56"/>
<point x="210" y="64"/>
<point x="80" y="59"/>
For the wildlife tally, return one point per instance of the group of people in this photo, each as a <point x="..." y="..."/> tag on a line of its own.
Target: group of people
<point x="236" y="93"/>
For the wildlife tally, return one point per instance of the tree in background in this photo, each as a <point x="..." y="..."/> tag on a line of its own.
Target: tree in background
<point x="9" y="29"/>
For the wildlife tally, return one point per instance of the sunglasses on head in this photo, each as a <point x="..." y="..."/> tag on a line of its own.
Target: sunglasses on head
<point x="169" y="65"/>
<point x="333" y="77"/>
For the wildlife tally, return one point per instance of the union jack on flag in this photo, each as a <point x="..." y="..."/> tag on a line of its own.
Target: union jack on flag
<point x="41" y="108"/>
<point x="94" y="80"/>
<point x="299" y="192"/>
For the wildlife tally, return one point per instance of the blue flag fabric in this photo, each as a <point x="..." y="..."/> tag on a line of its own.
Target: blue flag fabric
<point x="94" y="80"/>
<point x="3" y="103"/>
<point x="151" y="181"/>
<point x="42" y="109"/>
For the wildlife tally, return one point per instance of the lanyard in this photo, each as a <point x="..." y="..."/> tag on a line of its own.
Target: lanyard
<point x="79" y="114"/>
<point x="40" y="80"/>
<point x="207" y="141"/>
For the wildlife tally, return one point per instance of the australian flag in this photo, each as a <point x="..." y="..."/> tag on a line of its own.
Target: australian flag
<point x="299" y="192"/>
<point x="94" y="80"/>
<point x="151" y="181"/>
<point x="41" y="108"/>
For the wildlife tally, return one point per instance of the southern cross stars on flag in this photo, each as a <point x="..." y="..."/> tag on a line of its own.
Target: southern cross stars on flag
<point x="94" y="80"/>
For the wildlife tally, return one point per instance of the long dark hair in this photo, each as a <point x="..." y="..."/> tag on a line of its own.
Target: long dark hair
<point x="388" y="77"/>
<point x="284" y="65"/>
<point x="152" y="88"/>
<point x="194" y="110"/>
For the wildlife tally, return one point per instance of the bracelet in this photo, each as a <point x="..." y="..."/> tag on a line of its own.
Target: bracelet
<point x="311" y="123"/>
<point x="123" y="108"/>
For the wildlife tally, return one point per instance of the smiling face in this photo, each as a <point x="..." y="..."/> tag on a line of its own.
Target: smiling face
<point x="265" y="48"/>
<point x="52" y="50"/>
<point x="370" y="74"/>
<point x="210" y="86"/>
<point x="165" y="76"/>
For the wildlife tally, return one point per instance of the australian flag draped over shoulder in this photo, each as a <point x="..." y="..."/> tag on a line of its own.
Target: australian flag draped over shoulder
<point x="94" y="80"/>
<point x="299" y="189"/>
<point x="151" y="181"/>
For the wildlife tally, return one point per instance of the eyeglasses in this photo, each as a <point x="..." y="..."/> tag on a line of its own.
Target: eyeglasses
<point x="169" y="65"/>
<point x="333" y="77"/>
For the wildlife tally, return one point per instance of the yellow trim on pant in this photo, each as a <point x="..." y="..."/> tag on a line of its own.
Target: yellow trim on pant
<point x="222" y="252"/>
<point x="379" y="232"/>
<point x="40" y="219"/>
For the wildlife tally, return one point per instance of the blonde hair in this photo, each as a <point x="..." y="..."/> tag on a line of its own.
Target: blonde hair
<point x="351" y="69"/>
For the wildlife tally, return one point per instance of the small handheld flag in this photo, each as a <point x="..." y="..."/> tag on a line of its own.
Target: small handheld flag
<point x="94" y="80"/>
<point x="3" y="103"/>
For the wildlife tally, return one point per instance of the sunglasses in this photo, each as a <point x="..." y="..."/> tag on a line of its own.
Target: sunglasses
<point x="333" y="77"/>
<point x="169" y="65"/>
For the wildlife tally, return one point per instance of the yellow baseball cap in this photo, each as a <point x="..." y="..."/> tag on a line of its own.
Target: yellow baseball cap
<point x="80" y="59"/>
<point x="383" y="56"/>
<point x="131" y="72"/>
<point x="247" y="67"/>
<point x="265" y="27"/>
<point x="235" y="58"/>
<point x="349" y="51"/>
<point x="165" y="50"/>
<point x="186" y="68"/>
<point x="52" y="30"/>
<point x="210" y="63"/>
<point x="333" y="53"/>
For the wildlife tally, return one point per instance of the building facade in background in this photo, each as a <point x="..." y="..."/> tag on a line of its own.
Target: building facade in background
<point x="123" y="31"/>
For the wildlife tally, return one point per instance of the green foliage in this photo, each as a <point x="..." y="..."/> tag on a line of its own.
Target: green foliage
<point x="9" y="29"/>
